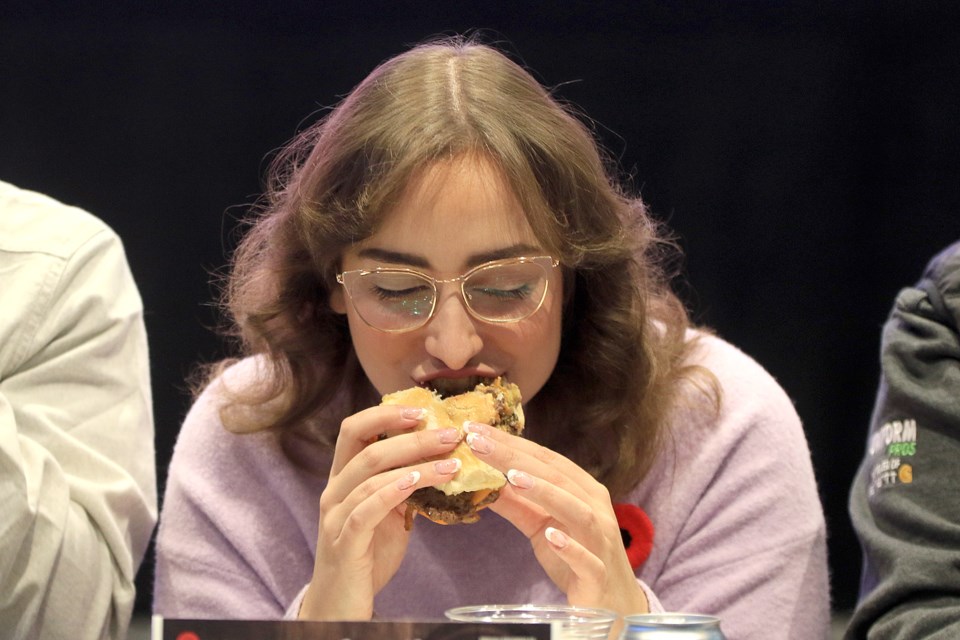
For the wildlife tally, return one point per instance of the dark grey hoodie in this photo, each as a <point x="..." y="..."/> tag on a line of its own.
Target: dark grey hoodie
<point x="905" y="502"/>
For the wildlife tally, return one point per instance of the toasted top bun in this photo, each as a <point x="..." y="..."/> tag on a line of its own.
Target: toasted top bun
<point x="474" y="474"/>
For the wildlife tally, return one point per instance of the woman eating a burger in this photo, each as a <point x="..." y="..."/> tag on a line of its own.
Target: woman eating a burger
<point x="450" y="224"/>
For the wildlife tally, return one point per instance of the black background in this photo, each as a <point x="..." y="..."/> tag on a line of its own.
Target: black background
<point x="806" y="154"/>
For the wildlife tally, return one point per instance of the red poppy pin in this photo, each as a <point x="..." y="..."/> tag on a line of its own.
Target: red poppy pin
<point x="637" y="532"/>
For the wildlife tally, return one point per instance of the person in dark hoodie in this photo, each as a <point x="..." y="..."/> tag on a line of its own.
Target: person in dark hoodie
<point x="905" y="503"/>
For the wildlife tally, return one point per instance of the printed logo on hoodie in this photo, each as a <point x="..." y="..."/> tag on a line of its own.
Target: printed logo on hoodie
<point x="889" y="446"/>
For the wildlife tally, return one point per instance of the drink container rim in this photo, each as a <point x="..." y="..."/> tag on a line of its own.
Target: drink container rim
<point x="671" y="619"/>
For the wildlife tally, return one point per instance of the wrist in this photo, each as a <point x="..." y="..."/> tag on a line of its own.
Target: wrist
<point x="317" y="605"/>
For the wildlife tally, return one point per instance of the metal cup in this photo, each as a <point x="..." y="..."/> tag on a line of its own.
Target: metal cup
<point x="671" y="626"/>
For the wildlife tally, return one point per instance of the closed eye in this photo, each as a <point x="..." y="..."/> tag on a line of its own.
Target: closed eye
<point x="397" y="294"/>
<point x="518" y="293"/>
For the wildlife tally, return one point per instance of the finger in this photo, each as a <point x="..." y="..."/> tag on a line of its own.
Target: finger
<point x="529" y="518"/>
<point x="588" y="568"/>
<point x="377" y="498"/>
<point x="364" y="427"/>
<point x="399" y="451"/>
<point x="588" y="520"/>
<point x="349" y="526"/>
<point x="504" y="451"/>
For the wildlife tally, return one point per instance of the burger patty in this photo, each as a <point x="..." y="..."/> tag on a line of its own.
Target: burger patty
<point x="505" y="405"/>
<point x="441" y="508"/>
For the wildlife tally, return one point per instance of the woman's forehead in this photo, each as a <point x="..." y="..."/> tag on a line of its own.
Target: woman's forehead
<point x="465" y="200"/>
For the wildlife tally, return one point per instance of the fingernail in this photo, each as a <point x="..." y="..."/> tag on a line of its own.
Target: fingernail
<point x="413" y="413"/>
<point x="448" y="436"/>
<point x="448" y="466"/>
<point x="408" y="480"/>
<point x="520" y="479"/>
<point x="478" y="443"/>
<point x="556" y="537"/>
<point x="474" y="427"/>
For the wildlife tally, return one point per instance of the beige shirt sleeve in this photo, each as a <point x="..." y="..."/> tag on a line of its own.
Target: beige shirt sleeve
<point x="78" y="492"/>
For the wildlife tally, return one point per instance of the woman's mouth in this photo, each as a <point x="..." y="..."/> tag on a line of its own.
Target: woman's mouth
<point x="454" y="386"/>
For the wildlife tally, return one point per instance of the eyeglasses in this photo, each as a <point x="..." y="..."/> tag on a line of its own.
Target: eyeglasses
<point x="398" y="300"/>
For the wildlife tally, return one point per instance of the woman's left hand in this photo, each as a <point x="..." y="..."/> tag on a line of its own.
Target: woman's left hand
<point x="568" y="517"/>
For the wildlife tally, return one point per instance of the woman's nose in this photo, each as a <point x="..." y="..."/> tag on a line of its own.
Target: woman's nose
<point x="452" y="333"/>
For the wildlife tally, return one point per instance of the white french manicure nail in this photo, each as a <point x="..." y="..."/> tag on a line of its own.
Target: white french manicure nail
<point x="478" y="443"/>
<point x="451" y="465"/>
<point x="519" y="479"/>
<point x="413" y="413"/>
<point x="473" y="427"/>
<point x="408" y="480"/>
<point x="556" y="537"/>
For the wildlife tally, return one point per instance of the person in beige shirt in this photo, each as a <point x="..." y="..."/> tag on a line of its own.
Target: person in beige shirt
<point x="77" y="469"/>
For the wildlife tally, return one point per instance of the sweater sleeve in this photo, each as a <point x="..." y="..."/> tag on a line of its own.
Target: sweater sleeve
<point x="239" y="522"/>
<point x="741" y="532"/>
<point x="904" y="502"/>
<point x="77" y="478"/>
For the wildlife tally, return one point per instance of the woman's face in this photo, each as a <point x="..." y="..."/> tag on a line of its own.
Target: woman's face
<point x="453" y="216"/>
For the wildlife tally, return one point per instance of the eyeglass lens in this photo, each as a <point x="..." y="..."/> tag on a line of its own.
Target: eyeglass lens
<point x="393" y="300"/>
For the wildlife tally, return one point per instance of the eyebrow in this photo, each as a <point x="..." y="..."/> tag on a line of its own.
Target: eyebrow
<point x="413" y="260"/>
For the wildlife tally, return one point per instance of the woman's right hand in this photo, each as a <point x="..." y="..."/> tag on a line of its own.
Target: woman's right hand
<point x="361" y="539"/>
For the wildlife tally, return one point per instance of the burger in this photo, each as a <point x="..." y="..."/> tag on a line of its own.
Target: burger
<point x="477" y="484"/>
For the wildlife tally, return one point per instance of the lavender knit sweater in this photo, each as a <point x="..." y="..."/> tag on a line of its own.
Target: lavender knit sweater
<point x="739" y="527"/>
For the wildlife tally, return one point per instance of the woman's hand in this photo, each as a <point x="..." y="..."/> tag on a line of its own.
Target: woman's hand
<point x="568" y="517"/>
<point x="361" y="539"/>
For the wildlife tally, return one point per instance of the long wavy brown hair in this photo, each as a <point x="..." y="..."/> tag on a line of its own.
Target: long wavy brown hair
<point x="622" y="364"/>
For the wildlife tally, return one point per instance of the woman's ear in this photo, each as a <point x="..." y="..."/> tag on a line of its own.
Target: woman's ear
<point x="337" y="301"/>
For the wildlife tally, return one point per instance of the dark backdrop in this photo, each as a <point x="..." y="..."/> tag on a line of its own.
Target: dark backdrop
<point x="805" y="154"/>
